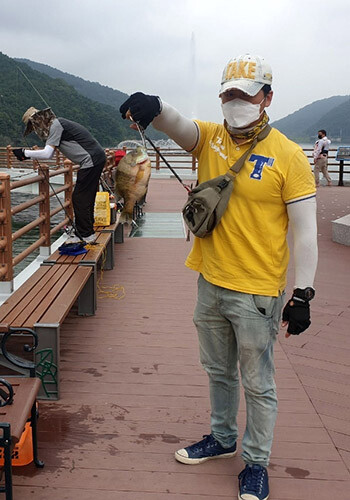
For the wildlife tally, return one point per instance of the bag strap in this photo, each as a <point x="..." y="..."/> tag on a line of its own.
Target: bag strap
<point x="240" y="162"/>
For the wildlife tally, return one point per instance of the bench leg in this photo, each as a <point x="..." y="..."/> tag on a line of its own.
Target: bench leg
<point x="33" y="421"/>
<point x="119" y="234"/>
<point x="87" y="300"/>
<point x="5" y="443"/>
<point x="48" y="360"/>
<point x="109" y="264"/>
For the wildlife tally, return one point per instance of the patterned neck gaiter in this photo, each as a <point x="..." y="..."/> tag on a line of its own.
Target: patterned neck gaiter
<point x="40" y="122"/>
<point x="248" y="133"/>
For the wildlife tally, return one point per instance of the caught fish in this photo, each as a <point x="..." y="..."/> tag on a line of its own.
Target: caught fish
<point x="131" y="180"/>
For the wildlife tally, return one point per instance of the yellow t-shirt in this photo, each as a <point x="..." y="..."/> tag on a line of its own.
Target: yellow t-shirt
<point x="248" y="250"/>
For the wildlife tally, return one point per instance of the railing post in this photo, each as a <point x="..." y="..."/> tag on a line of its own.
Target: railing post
<point x="341" y="172"/>
<point x="157" y="160"/>
<point x="68" y="180"/>
<point x="44" y="210"/>
<point x="194" y="161"/>
<point x="57" y="157"/>
<point x="6" y="267"/>
<point x="9" y="156"/>
<point x="109" y="159"/>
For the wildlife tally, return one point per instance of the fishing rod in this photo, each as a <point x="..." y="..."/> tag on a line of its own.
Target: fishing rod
<point x="43" y="171"/>
<point x="47" y="178"/>
<point x="144" y="136"/>
<point x="36" y="90"/>
<point x="188" y="189"/>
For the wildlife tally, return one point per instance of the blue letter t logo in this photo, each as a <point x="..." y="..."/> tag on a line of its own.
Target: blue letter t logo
<point x="260" y="162"/>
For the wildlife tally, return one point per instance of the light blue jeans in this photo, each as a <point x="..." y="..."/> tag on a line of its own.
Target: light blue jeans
<point x="232" y="330"/>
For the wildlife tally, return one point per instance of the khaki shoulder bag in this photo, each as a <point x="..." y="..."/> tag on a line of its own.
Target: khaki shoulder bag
<point x="207" y="202"/>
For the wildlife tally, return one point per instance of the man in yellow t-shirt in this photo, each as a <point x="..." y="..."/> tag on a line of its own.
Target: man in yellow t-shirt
<point x="242" y="265"/>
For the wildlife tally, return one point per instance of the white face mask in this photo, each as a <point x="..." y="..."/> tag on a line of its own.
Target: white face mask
<point x="239" y="113"/>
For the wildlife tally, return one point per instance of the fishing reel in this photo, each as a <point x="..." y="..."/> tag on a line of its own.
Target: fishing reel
<point x="69" y="230"/>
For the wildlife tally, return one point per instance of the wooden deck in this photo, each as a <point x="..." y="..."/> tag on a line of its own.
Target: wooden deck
<point x="133" y="390"/>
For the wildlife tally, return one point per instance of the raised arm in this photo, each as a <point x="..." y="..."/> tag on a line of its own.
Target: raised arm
<point x="145" y="109"/>
<point x="182" y="130"/>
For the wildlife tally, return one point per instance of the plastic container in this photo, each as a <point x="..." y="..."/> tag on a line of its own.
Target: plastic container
<point x="22" y="454"/>
<point x="102" y="210"/>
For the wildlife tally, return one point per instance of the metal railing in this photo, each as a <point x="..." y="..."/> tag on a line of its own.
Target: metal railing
<point x="42" y="174"/>
<point x="334" y="166"/>
<point x="182" y="160"/>
<point x="177" y="157"/>
<point x="42" y="177"/>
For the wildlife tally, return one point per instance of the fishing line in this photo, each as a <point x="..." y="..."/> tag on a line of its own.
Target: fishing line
<point x="108" y="291"/>
<point x="32" y="85"/>
<point x="47" y="178"/>
<point x="18" y="137"/>
<point x="144" y="137"/>
<point x="104" y="185"/>
<point x="142" y="134"/>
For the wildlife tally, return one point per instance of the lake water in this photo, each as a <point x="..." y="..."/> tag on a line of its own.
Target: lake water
<point x="23" y="218"/>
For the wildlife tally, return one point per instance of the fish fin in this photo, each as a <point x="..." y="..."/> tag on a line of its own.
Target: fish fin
<point x="125" y="218"/>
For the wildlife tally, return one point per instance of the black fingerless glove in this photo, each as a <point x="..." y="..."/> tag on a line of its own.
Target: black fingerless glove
<point x="19" y="154"/>
<point x="297" y="313"/>
<point x="143" y="108"/>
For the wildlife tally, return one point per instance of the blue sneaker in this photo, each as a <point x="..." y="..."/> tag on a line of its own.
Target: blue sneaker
<point x="204" y="450"/>
<point x="253" y="483"/>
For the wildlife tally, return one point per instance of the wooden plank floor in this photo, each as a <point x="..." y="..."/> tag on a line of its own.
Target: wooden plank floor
<point x="321" y="356"/>
<point x="133" y="390"/>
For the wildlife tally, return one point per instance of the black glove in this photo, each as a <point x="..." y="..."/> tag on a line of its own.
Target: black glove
<point x="297" y="313"/>
<point x="143" y="108"/>
<point x="19" y="154"/>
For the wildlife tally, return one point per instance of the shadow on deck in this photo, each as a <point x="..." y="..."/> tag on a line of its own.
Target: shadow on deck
<point x="133" y="390"/>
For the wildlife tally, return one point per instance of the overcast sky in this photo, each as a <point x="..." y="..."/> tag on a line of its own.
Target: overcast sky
<point x="177" y="49"/>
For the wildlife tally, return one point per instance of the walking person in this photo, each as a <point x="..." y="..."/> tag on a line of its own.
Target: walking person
<point x="79" y="146"/>
<point x="242" y="265"/>
<point x="320" y="154"/>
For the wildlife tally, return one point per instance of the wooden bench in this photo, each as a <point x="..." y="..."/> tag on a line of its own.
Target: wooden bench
<point x="101" y="254"/>
<point x="17" y="406"/>
<point x="115" y="228"/>
<point x="41" y="304"/>
<point x="94" y="255"/>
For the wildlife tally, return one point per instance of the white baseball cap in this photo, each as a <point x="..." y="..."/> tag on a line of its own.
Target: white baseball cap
<point x="247" y="73"/>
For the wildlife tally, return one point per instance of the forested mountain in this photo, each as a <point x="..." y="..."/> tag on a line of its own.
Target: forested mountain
<point x="331" y="114"/>
<point x="17" y="94"/>
<point x="94" y="106"/>
<point x="337" y="122"/>
<point x="92" y="90"/>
